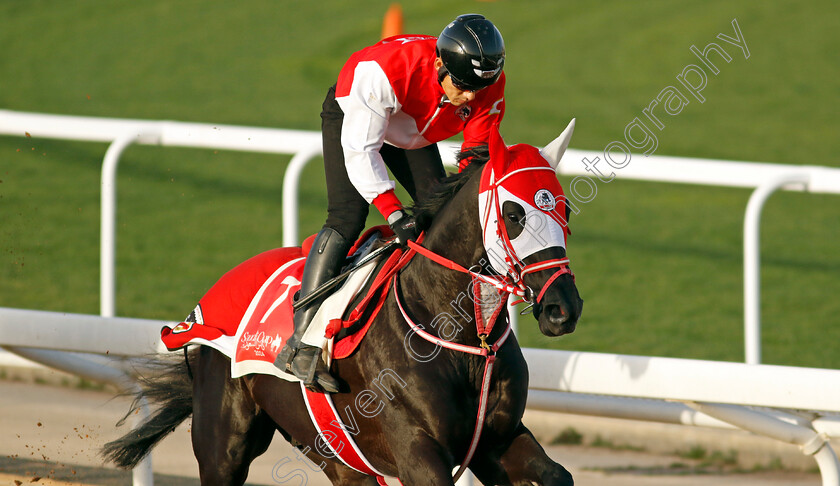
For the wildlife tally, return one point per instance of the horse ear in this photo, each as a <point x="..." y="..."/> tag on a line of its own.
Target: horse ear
<point x="554" y="151"/>
<point x="498" y="149"/>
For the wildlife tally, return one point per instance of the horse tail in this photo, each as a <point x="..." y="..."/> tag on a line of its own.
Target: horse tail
<point x="170" y="388"/>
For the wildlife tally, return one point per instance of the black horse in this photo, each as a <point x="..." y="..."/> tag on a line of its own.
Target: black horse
<point x="414" y="404"/>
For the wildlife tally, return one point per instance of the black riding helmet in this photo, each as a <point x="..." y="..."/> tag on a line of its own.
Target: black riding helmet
<point x="472" y="51"/>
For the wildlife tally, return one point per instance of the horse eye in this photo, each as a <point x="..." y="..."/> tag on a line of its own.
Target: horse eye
<point x="513" y="217"/>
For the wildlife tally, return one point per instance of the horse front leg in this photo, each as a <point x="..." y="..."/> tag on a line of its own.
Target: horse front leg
<point x="341" y="475"/>
<point x="525" y="462"/>
<point x="423" y="462"/>
<point x="519" y="462"/>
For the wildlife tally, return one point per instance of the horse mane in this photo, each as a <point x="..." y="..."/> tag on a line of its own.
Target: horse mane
<point x="445" y="189"/>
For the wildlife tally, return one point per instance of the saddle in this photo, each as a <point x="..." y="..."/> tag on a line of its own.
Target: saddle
<point x="248" y="314"/>
<point x="344" y="317"/>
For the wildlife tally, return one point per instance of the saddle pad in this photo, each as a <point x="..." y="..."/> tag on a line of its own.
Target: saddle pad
<point x="248" y="316"/>
<point x="268" y="322"/>
<point x="216" y="318"/>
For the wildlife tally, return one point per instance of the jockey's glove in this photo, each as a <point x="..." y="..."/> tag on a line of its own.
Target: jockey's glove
<point x="405" y="227"/>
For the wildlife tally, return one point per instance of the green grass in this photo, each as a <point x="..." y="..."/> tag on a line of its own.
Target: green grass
<point x="568" y="436"/>
<point x="659" y="265"/>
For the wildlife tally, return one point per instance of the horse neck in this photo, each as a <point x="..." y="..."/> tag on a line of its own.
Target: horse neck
<point x="433" y="293"/>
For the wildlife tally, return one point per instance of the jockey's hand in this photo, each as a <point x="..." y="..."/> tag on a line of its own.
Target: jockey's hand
<point x="405" y="227"/>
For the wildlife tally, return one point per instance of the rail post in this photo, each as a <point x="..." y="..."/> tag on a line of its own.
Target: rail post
<point x="752" y="260"/>
<point x="108" y="221"/>
<point x="291" y="181"/>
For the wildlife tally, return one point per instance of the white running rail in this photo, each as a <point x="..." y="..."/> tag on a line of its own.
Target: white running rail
<point x="304" y="146"/>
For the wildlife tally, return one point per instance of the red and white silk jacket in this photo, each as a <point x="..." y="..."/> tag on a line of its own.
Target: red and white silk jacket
<point x="389" y="92"/>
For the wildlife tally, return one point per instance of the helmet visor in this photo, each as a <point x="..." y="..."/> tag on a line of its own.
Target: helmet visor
<point x="478" y="83"/>
<point x="464" y="86"/>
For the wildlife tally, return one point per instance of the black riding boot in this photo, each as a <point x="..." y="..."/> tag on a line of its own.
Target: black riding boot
<point x="329" y="251"/>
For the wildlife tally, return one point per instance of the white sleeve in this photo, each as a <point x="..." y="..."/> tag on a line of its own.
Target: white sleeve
<point x="367" y="109"/>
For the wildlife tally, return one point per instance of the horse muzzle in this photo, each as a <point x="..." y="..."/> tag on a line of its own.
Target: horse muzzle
<point x="559" y="312"/>
<point x="555" y="321"/>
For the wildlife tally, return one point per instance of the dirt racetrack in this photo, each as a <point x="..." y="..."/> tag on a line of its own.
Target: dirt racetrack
<point x="50" y="435"/>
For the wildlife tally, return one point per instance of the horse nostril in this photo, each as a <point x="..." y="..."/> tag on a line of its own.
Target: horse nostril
<point x="556" y="315"/>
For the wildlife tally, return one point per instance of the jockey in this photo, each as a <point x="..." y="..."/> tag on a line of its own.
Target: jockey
<point x="392" y="103"/>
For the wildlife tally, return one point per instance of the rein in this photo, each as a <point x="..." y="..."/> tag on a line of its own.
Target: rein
<point x="515" y="285"/>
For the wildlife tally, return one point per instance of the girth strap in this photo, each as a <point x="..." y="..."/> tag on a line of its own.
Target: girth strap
<point x="335" y="434"/>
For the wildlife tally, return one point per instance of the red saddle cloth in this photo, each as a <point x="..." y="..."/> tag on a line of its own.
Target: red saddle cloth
<point x="248" y="315"/>
<point x="220" y="311"/>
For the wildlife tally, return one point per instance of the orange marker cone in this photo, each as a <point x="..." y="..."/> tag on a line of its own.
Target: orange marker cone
<point x="393" y="23"/>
